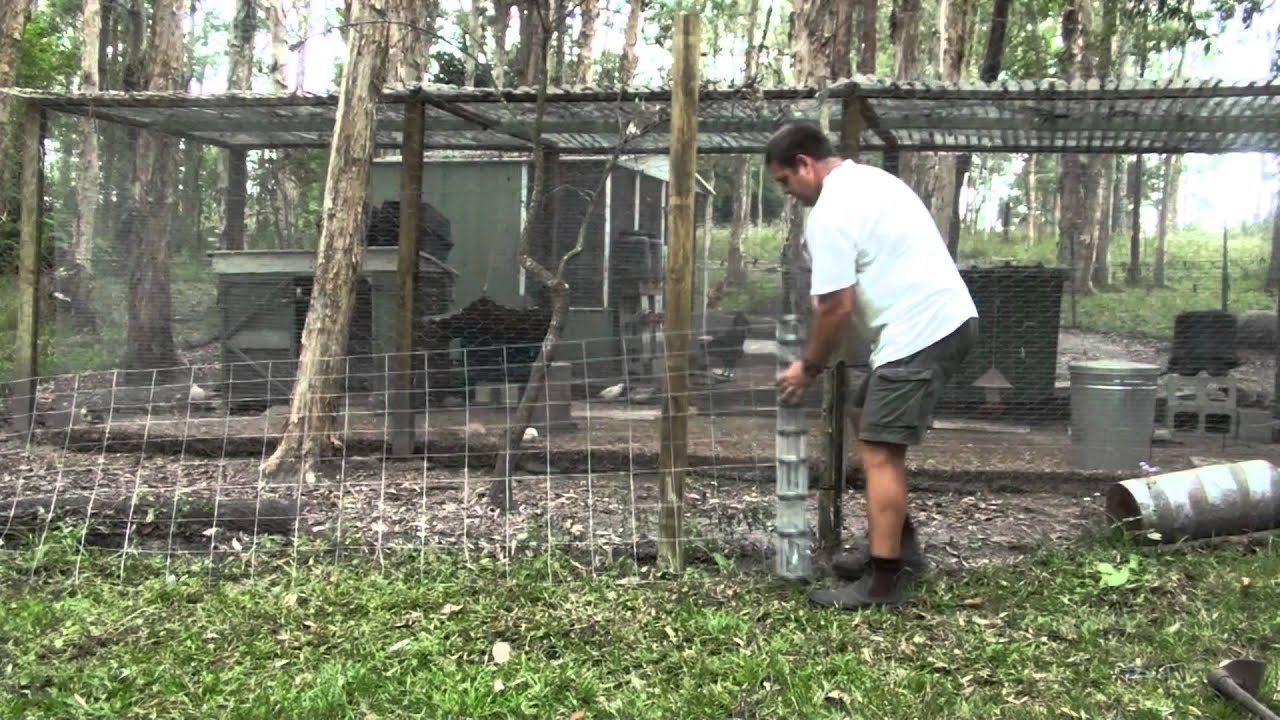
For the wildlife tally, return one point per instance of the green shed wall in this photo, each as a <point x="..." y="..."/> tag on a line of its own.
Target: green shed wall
<point x="482" y="201"/>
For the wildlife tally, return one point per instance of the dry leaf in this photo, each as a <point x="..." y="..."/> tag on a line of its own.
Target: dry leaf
<point x="399" y="645"/>
<point x="498" y="686"/>
<point x="235" y="544"/>
<point x="835" y="697"/>
<point x="291" y="600"/>
<point x="972" y="602"/>
<point x="501" y="652"/>
<point x="579" y="715"/>
<point x="450" y="609"/>
<point x="1246" y="582"/>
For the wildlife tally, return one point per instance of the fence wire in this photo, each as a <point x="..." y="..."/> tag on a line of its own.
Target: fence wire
<point x="176" y="284"/>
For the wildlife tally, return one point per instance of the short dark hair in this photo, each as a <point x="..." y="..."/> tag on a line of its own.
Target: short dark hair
<point x="794" y="139"/>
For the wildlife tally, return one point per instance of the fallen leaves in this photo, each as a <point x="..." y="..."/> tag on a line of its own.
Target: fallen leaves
<point x="449" y="609"/>
<point x="501" y="652"/>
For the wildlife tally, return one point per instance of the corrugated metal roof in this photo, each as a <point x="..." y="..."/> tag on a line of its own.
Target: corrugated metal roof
<point x="1044" y="117"/>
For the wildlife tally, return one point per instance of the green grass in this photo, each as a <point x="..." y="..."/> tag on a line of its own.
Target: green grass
<point x="1062" y="635"/>
<point x="1193" y="276"/>
<point x="64" y="349"/>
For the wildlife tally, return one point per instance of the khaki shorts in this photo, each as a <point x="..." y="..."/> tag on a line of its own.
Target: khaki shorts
<point x="894" y="403"/>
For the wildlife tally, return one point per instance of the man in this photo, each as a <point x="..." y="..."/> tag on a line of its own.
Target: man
<point x="880" y="264"/>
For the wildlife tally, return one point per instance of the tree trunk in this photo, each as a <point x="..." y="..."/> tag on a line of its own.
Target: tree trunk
<point x="501" y="22"/>
<point x="867" y="55"/>
<point x="80" y="285"/>
<point x="1119" y="194"/>
<point x="630" y="38"/>
<point x="1273" y="271"/>
<point x="585" y="60"/>
<point x="235" y="162"/>
<point x="1134" y="276"/>
<point x="310" y="426"/>
<point x="955" y="28"/>
<point x="283" y="191"/>
<point x="1102" y="167"/>
<point x="14" y="15"/>
<point x="409" y="42"/>
<point x="1168" y="204"/>
<point x="558" y="24"/>
<point x="149" y="337"/>
<point x="536" y="25"/>
<point x="735" y="272"/>
<point x="904" y="31"/>
<point x="1032" y="206"/>
<point x="475" y="42"/>
<point x="1103" y="221"/>
<point x="1074" y="232"/>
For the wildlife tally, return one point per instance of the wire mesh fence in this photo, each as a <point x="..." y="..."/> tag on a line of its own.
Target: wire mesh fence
<point x="177" y="279"/>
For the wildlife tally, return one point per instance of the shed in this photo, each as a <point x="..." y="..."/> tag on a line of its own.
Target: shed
<point x="485" y="197"/>
<point x="263" y="296"/>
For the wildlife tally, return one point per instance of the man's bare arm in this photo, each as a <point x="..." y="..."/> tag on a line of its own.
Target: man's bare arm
<point x="830" y="316"/>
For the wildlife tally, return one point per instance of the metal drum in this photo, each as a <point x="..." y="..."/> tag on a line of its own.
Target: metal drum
<point x="1113" y="414"/>
<point x="1202" y="502"/>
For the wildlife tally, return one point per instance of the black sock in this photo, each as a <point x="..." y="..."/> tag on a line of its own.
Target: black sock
<point x="884" y="574"/>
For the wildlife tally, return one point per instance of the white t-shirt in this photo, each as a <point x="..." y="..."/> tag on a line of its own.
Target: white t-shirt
<point x="870" y="230"/>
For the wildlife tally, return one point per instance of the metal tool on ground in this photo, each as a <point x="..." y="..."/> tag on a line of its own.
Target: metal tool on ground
<point x="1241" y="680"/>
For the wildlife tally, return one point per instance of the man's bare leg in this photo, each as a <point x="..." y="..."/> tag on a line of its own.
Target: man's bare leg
<point x="885" y="466"/>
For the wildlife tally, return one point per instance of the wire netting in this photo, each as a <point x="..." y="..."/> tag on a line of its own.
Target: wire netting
<point x="176" y="280"/>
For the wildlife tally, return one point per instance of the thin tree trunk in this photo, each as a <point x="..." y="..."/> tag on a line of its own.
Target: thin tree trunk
<point x="630" y="38"/>
<point x="904" y="31"/>
<point x="474" y="42"/>
<point x="501" y="23"/>
<point x="867" y="55"/>
<point x="585" y="58"/>
<point x="558" y="24"/>
<point x="735" y="273"/>
<point x="310" y="426"/>
<point x="1032" y="206"/>
<point x="283" y="191"/>
<point x="1273" y="271"/>
<point x="1164" y="218"/>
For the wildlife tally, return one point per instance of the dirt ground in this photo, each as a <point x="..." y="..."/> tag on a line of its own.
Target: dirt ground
<point x="160" y="475"/>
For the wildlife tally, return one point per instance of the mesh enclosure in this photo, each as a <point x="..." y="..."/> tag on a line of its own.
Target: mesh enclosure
<point x="176" y="279"/>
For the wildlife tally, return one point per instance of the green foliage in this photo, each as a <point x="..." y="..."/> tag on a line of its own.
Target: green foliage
<point x="49" y="56"/>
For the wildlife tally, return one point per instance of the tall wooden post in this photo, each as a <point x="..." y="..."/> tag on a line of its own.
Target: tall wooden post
<point x="407" y="270"/>
<point x="26" y="360"/>
<point x="834" y="391"/>
<point x="678" y="296"/>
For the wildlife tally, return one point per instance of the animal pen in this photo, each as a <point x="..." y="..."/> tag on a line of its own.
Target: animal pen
<point x="139" y="422"/>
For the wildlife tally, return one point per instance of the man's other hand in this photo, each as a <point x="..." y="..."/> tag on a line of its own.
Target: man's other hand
<point x="793" y="381"/>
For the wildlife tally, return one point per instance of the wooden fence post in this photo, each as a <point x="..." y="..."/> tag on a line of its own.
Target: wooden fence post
<point x="678" y="297"/>
<point x="402" y="433"/>
<point x="26" y="365"/>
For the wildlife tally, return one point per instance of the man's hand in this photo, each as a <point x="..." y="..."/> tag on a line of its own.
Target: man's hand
<point x="793" y="381"/>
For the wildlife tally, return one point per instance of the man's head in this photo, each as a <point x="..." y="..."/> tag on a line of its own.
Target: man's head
<point x="799" y="156"/>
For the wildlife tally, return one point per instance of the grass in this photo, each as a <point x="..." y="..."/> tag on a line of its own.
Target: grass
<point x="1193" y="276"/>
<point x="66" y="350"/>
<point x="1093" y="631"/>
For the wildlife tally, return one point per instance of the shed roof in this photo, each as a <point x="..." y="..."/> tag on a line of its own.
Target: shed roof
<point x="1045" y="116"/>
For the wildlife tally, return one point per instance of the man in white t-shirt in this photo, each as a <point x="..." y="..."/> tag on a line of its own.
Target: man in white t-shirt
<point x="881" y="268"/>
